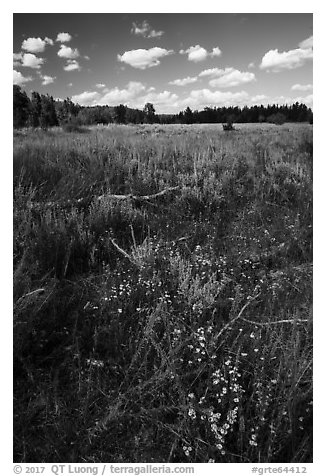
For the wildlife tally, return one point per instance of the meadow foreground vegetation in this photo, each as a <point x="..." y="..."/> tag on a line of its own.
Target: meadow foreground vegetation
<point x="176" y="328"/>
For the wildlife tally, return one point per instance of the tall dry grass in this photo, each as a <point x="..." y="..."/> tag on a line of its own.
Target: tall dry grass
<point x="174" y="329"/>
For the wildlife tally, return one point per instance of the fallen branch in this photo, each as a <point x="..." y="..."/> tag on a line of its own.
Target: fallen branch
<point x="80" y="202"/>
<point x="140" y="197"/>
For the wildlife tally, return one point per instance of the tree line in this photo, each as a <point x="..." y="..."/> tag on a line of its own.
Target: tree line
<point x="44" y="111"/>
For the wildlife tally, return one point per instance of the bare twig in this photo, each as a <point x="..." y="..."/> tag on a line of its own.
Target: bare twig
<point x="123" y="252"/>
<point x="36" y="291"/>
<point x="244" y="307"/>
<point x="32" y="293"/>
<point x="282" y="321"/>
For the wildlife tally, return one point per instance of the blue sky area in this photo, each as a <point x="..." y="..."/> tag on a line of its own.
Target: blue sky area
<point x="172" y="60"/>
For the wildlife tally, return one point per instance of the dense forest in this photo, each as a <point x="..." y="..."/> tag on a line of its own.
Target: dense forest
<point x="44" y="111"/>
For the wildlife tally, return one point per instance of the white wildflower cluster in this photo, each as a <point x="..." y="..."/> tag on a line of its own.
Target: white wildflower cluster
<point x="217" y="410"/>
<point x="253" y="437"/>
<point x="95" y="363"/>
<point x="187" y="450"/>
<point x="191" y="410"/>
<point x="176" y="336"/>
<point x="200" y="346"/>
<point x="263" y="398"/>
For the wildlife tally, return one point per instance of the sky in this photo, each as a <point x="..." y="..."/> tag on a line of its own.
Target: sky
<point x="172" y="60"/>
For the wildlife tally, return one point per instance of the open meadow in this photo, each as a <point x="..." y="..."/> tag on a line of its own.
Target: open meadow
<point x="163" y="294"/>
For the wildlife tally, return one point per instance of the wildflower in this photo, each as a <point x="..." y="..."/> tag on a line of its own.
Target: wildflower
<point x="95" y="363"/>
<point x="187" y="450"/>
<point x="192" y="413"/>
<point x="214" y="428"/>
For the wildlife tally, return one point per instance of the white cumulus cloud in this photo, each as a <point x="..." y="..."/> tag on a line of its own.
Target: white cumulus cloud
<point x="87" y="98"/>
<point x="302" y="87"/>
<point x="134" y="95"/>
<point x="19" y="79"/>
<point x="29" y="60"/>
<point x="258" y="99"/>
<point x="211" y="72"/>
<point x="198" y="53"/>
<point x="142" y="58"/>
<point x="67" y="52"/>
<point x="184" y="81"/>
<point x="232" y="77"/>
<point x="275" y="61"/>
<point x="201" y="98"/>
<point x="164" y="102"/>
<point x="145" y="30"/>
<point x="228" y="77"/>
<point x="63" y="37"/>
<point x="17" y="58"/>
<point x="195" y="53"/>
<point x="47" y="79"/>
<point x="112" y="96"/>
<point x="36" y="45"/>
<point x="216" y="51"/>
<point x="116" y="96"/>
<point x="281" y="99"/>
<point x="307" y="100"/>
<point x="72" y="65"/>
<point x="308" y="43"/>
